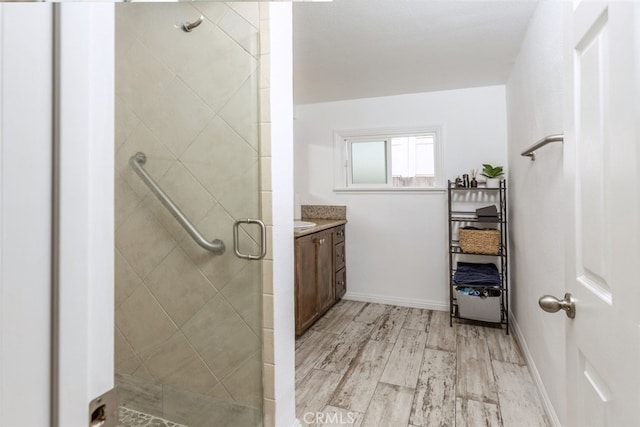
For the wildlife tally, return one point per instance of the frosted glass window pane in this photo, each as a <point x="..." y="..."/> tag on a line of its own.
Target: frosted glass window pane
<point x="424" y="159"/>
<point x="369" y="162"/>
<point x="399" y="157"/>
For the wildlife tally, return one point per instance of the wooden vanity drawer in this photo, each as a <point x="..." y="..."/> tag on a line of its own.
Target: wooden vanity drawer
<point x="341" y="283"/>
<point x="339" y="256"/>
<point x="338" y="234"/>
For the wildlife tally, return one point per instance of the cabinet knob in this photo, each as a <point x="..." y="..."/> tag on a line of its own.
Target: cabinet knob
<point x="320" y="241"/>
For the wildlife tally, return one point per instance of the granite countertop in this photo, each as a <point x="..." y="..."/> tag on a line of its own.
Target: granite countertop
<point x="321" y="224"/>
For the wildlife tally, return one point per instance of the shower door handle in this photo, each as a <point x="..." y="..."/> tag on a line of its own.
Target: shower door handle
<point x="236" y="239"/>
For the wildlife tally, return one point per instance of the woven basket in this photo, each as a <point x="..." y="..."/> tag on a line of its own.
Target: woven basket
<point x="484" y="241"/>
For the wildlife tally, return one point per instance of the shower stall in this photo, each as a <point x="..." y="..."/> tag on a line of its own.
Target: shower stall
<point x="188" y="320"/>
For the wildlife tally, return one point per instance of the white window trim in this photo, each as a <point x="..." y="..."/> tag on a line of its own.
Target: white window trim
<point x="341" y="159"/>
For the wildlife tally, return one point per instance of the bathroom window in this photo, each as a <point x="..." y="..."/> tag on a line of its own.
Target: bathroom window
<point x="390" y="160"/>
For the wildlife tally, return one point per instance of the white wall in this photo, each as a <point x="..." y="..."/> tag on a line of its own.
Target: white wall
<point x="396" y="243"/>
<point x="535" y="109"/>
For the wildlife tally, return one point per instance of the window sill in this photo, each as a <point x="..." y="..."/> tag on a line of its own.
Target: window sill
<point x="390" y="190"/>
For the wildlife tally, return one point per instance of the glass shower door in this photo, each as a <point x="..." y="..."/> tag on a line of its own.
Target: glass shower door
<point x="188" y="322"/>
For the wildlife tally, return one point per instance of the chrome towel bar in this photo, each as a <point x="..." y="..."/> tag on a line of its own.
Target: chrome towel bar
<point x="137" y="161"/>
<point x="544" y="141"/>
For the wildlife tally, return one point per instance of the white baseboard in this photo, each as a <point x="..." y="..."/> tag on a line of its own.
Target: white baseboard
<point x="546" y="402"/>
<point x="402" y="302"/>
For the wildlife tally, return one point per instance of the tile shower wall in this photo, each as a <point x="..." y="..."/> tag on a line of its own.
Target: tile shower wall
<point x="187" y="320"/>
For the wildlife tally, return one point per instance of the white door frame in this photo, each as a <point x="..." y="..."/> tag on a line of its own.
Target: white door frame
<point x="83" y="190"/>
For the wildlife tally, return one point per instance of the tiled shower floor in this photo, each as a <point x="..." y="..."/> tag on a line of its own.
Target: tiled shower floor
<point x="131" y="418"/>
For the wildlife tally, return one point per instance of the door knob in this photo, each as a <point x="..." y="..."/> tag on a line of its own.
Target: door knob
<point x="551" y="304"/>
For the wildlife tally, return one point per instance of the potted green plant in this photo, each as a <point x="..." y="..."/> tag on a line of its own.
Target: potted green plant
<point x="493" y="174"/>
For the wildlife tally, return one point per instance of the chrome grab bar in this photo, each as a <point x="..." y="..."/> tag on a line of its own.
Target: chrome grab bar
<point x="137" y="161"/>
<point x="263" y="239"/>
<point x="544" y="141"/>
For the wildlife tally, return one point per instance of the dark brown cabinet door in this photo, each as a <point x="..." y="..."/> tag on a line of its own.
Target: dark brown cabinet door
<point x="320" y="274"/>
<point x="306" y="295"/>
<point x="325" y="270"/>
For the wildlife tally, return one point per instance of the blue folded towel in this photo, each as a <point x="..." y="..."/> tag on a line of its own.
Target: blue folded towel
<point x="472" y="274"/>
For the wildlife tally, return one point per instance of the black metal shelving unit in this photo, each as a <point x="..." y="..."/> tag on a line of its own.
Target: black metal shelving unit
<point x="479" y="196"/>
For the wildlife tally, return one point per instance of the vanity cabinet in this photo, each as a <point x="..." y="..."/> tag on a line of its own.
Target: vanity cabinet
<point x="320" y="279"/>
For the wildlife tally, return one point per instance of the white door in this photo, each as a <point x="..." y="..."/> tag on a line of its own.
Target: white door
<point x="601" y="164"/>
<point x="56" y="211"/>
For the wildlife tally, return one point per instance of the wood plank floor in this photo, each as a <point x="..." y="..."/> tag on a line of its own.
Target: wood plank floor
<point x="369" y="365"/>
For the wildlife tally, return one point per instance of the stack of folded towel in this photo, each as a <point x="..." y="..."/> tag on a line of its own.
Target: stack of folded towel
<point x="469" y="274"/>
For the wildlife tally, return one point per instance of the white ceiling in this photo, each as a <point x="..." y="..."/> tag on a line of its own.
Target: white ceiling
<point x="351" y="49"/>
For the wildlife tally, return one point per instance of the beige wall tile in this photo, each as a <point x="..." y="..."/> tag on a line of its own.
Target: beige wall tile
<point x="159" y="158"/>
<point x="268" y="380"/>
<point x="265" y="32"/>
<point x="265" y="71"/>
<point x="188" y="194"/>
<point x="219" y="269"/>
<point x="201" y="70"/>
<point x="269" y="413"/>
<point x="126" y="201"/>
<point x="265" y="105"/>
<point x="241" y="30"/>
<point x="140" y="395"/>
<point x="241" y="198"/>
<point x="244" y="293"/>
<point x="126" y="361"/>
<point x="267" y="309"/>
<point x="267" y="276"/>
<point x="126" y="280"/>
<point x="143" y="322"/>
<point x="219" y="392"/>
<point x="125" y="122"/>
<point x="249" y="11"/>
<point x="140" y="77"/>
<point x="214" y="11"/>
<point x="175" y="362"/>
<point x="241" y="112"/>
<point x="221" y="337"/>
<point x="177" y="117"/>
<point x="265" y="173"/>
<point x="218" y="156"/>
<point x="180" y="287"/>
<point x="265" y="139"/>
<point x="198" y="410"/>
<point x="143" y="242"/>
<point x="269" y="243"/>
<point x="267" y="206"/>
<point x="245" y="383"/>
<point x="267" y="346"/>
